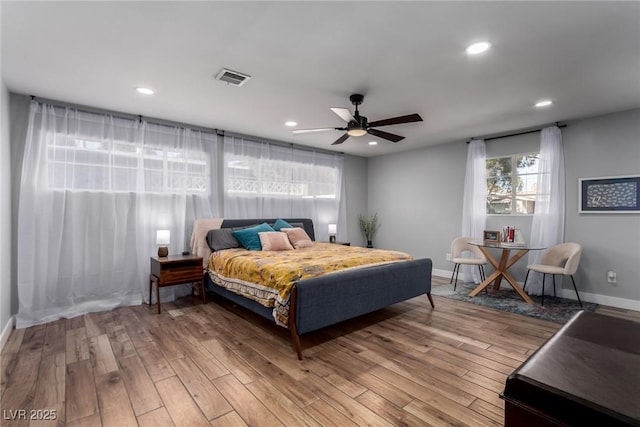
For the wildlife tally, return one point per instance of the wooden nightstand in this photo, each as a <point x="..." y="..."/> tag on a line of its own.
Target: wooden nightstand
<point x="176" y="270"/>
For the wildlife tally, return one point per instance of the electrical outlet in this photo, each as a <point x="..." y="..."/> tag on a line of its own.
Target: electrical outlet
<point x="611" y="276"/>
<point x="448" y="257"/>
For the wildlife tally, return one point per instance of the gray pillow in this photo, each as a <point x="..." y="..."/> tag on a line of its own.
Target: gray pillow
<point x="294" y="225"/>
<point x="222" y="238"/>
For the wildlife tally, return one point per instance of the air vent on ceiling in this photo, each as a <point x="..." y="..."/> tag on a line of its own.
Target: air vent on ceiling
<point x="232" y="77"/>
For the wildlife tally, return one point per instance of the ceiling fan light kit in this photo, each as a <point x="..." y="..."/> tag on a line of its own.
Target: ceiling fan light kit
<point x="358" y="125"/>
<point x="357" y="131"/>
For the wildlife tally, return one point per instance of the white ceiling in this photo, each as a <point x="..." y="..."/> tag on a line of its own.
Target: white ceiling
<point x="304" y="57"/>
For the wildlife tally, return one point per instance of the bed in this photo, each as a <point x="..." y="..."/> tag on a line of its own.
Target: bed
<point x="320" y="298"/>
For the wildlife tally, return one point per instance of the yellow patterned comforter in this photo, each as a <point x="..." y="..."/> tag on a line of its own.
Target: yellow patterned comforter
<point x="268" y="276"/>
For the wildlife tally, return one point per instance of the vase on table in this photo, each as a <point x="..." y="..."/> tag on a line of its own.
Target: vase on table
<point x="369" y="244"/>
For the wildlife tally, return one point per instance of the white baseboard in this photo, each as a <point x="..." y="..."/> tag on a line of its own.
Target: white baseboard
<point x="626" y="304"/>
<point x="445" y="273"/>
<point x="6" y="331"/>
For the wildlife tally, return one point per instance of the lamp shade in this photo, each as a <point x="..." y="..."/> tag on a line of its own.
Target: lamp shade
<point x="163" y="237"/>
<point x="333" y="229"/>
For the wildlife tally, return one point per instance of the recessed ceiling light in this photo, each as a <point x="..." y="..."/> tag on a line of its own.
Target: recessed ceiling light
<point x="144" y="90"/>
<point x="477" y="48"/>
<point x="373" y="142"/>
<point x="291" y="124"/>
<point x="544" y="103"/>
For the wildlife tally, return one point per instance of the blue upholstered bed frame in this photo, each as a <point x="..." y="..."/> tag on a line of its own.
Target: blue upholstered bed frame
<point x="330" y="299"/>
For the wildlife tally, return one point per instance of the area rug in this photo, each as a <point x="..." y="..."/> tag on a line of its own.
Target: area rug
<point x="555" y="309"/>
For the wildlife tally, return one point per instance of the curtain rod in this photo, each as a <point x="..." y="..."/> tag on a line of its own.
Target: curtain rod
<point x="218" y="132"/>
<point x="516" y="133"/>
<point x="278" y="143"/>
<point x="120" y="114"/>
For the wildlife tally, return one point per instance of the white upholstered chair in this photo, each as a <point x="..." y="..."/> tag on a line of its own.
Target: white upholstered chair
<point x="460" y="245"/>
<point x="559" y="259"/>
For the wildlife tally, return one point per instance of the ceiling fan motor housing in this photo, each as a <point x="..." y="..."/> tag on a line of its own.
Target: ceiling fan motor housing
<point x="361" y="121"/>
<point x="359" y="127"/>
<point x="356" y="99"/>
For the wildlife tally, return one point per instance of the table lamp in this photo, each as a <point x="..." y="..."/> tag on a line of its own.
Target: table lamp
<point x="163" y="237"/>
<point x="333" y="229"/>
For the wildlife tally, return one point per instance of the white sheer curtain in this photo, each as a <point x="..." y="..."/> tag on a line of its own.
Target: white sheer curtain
<point x="474" y="206"/>
<point x="94" y="190"/>
<point x="547" y="228"/>
<point x="263" y="180"/>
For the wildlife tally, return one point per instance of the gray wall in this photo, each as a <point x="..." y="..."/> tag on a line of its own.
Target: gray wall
<point x="18" y="118"/>
<point x="355" y="173"/>
<point x="604" y="146"/>
<point x="418" y="196"/>
<point x="6" y="289"/>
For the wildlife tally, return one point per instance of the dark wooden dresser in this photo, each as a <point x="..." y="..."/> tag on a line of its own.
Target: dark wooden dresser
<point x="587" y="374"/>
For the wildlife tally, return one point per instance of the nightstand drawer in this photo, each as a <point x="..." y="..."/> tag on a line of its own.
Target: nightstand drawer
<point x="180" y="274"/>
<point x="177" y="269"/>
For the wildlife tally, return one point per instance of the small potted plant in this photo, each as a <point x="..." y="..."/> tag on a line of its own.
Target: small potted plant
<point x="369" y="227"/>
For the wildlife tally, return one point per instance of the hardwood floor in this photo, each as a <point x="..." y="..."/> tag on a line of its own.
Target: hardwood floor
<point x="219" y="365"/>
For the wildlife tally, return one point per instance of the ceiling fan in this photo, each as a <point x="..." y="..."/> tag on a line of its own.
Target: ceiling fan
<point x="358" y="125"/>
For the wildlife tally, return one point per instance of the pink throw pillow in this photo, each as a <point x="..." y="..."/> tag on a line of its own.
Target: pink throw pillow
<point x="274" y="241"/>
<point x="298" y="237"/>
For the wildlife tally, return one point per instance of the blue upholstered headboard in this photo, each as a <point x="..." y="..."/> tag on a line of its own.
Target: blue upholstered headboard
<point x="307" y="223"/>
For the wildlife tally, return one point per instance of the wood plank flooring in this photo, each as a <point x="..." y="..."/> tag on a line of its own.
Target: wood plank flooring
<point x="219" y="365"/>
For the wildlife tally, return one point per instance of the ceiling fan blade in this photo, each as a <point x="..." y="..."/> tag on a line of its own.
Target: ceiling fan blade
<point x="340" y="140"/>
<point x="311" y="130"/>
<point x="344" y="114"/>
<point x="386" y="135"/>
<point x="409" y="118"/>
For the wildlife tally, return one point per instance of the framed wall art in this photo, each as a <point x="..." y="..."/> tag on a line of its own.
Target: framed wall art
<point x="612" y="194"/>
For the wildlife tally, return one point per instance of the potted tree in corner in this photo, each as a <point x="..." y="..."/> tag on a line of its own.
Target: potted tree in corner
<point x="369" y="227"/>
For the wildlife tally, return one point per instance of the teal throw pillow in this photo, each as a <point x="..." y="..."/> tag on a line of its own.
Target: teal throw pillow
<point x="281" y="223"/>
<point x="249" y="238"/>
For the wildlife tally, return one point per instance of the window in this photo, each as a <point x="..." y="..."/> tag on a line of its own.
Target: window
<point x="264" y="170"/>
<point x="512" y="184"/>
<point x="251" y="176"/>
<point x="270" y="180"/>
<point x="123" y="166"/>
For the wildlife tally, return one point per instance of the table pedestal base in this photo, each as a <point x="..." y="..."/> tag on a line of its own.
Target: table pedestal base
<point x="501" y="271"/>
